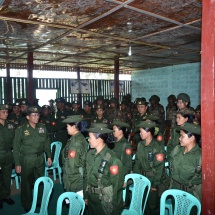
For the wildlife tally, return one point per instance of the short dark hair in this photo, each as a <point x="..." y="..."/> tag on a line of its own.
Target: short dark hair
<point x="76" y="124"/>
<point x="151" y="130"/>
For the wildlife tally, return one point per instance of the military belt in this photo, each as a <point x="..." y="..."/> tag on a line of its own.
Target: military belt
<point x="148" y="173"/>
<point x="182" y="186"/>
<point x="38" y="154"/>
<point x="5" y="151"/>
<point x="94" y="190"/>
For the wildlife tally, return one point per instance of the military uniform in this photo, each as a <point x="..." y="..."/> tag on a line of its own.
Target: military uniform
<point x="6" y="156"/>
<point x="102" y="120"/>
<point x="29" y="145"/>
<point x="104" y="190"/>
<point x="123" y="151"/>
<point x="149" y="161"/>
<point x="183" y="170"/>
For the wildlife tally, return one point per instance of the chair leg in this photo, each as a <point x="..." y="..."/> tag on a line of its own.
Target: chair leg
<point x="54" y="174"/>
<point x="59" y="174"/>
<point x="17" y="182"/>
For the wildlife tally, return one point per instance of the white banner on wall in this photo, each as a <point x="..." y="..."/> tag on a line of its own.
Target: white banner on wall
<point x="83" y="85"/>
<point x="121" y="86"/>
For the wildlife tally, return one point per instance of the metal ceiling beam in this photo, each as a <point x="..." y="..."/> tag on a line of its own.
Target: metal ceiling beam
<point x="154" y="15"/>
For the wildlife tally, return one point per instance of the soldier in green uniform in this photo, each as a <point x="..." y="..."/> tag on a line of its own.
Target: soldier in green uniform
<point x="181" y="117"/>
<point x="186" y="161"/>
<point x="51" y="104"/>
<point x="99" y="118"/>
<point x="122" y="147"/>
<point x="104" y="176"/>
<point x="6" y="156"/>
<point x="48" y="119"/>
<point x="76" y="110"/>
<point x="74" y="155"/>
<point x="88" y="113"/>
<point x="24" y="104"/>
<point x="142" y="107"/>
<point x="156" y="108"/>
<point x="113" y="112"/>
<point x="61" y="132"/>
<point x="30" y="142"/>
<point x="16" y="115"/>
<point x="126" y="116"/>
<point x="149" y="161"/>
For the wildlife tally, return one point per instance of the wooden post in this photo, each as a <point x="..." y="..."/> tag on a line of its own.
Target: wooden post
<point x="9" y="90"/>
<point x="208" y="106"/>
<point x="30" y="82"/>
<point x="79" y="94"/>
<point x="116" y="78"/>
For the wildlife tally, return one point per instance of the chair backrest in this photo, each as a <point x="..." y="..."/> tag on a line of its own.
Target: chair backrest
<point x="141" y="185"/>
<point x="184" y="202"/>
<point x="58" y="146"/>
<point x="76" y="206"/>
<point x="47" y="189"/>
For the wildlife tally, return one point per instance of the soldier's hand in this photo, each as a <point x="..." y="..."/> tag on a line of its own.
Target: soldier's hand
<point x="153" y="189"/>
<point x="49" y="161"/>
<point x="18" y="169"/>
<point x="86" y="201"/>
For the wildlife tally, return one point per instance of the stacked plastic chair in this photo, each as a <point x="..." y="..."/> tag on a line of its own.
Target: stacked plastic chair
<point x="47" y="190"/>
<point x="140" y="186"/>
<point x="55" y="164"/>
<point x="183" y="203"/>
<point x="76" y="203"/>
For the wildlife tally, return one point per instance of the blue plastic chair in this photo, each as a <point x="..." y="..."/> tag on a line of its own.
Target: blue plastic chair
<point x="184" y="202"/>
<point x="16" y="177"/>
<point x="76" y="203"/>
<point x="55" y="164"/>
<point x="47" y="189"/>
<point x="140" y="185"/>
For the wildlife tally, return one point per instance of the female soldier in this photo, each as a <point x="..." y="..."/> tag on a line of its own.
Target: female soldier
<point x="122" y="147"/>
<point x="185" y="161"/>
<point x="104" y="176"/>
<point x="74" y="155"/>
<point x="149" y="161"/>
<point x="181" y="118"/>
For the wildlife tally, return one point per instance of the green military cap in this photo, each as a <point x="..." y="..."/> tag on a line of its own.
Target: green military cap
<point x="141" y="101"/>
<point x="89" y="103"/>
<point x="100" y="98"/>
<point x="114" y="100"/>
<point x="46" y="107"/>
<point x="99" y="107"/>
<point x="32" y="109"/>
<point x="152" y="117"/>
<point x="61" y="100"/>
<point x="5" y="107"/>
<point x="124" y="102"/>
<point x="76" y="102"/>
<point x="25" y="102"/>
<point x="155" y="98"/>
<point x="198" y="107"/>
<point x="69" y="104"/>
<point x="146" y="124"/>
<point x="101" y="128"/>
<point x="183" y="96"/>
<point x="172" y="97"/>
<point x="73" y="118"/>
<point x="120" y="123"/>
<point x="98" y="125"/>
<point x="192" y="128"/>
<point x="16" y="104"/>
<point x="51" y="100"/>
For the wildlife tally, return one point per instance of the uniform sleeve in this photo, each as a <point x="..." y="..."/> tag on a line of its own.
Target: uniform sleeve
<point x="17" y="146"/>
<point x="47" y="144"/>
<point x="117" y="175"/>
<point x="137" y="163"/>
<point x="127" y="159"/>
<point x="158" y="165"/>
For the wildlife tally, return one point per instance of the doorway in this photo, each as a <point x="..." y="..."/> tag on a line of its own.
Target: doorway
<point x="44" y="95"/>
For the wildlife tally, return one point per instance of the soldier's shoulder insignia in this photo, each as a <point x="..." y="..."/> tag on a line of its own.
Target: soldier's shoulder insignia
<point x="159" y="138"/>
<point x="128" y="151"/>
<point x="72" y="154"/>
<point x="114" y="170"/>
<point x="159" y="157"/>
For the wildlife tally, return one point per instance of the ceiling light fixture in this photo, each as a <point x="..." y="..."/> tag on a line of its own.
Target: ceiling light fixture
<point x="129" y="50"/>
